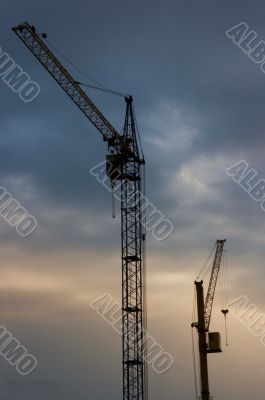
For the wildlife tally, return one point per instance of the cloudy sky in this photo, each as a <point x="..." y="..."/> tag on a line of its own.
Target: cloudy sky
<point x="200" y="109"/>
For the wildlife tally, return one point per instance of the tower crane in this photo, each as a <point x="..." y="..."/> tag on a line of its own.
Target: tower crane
<point x="124" y="163"/>
<point x="209" y="342"/>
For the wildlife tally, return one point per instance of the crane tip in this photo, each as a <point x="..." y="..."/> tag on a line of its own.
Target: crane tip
<point x="129" y="99"/>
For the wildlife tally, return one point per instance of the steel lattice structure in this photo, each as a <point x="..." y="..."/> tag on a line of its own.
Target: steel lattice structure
<point x="132" y="269"/>
<point x="213" y="281"/>
<point x="124" y="155"/>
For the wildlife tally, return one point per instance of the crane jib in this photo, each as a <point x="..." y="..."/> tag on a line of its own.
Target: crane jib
<point x="44" y="55"/>
<point x="213" y="281"/>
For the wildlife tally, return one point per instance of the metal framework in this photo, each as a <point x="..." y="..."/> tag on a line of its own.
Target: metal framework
<point x="125" y="154"/>
<point x="132" y="268"/>
<point x="213" y="281"/>
<point x="204" y="311"/>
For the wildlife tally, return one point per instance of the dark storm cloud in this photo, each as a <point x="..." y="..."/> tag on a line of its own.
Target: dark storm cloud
<point x="173" y="62"/>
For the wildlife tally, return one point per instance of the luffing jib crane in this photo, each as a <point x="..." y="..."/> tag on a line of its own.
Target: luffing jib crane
<point x="124" y="157"/>
<point x="209" y="342"/>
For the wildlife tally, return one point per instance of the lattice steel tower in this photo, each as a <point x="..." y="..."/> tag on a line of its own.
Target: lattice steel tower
<point x="124" y="165"/>
<point x="132" y="219"/>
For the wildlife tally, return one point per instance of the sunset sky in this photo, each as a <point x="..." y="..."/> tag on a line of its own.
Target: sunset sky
<point x="200" y="103"/>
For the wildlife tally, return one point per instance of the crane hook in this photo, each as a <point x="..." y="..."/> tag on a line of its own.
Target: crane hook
<point x="225" y="312"/>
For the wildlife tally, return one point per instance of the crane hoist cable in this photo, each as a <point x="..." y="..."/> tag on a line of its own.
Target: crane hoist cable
<point x="223" y="289"/>
<point x="206" y="266"/>
<point x="99" y="86"/>
<point x="138" y="136"/>
<point x="109" y="91"/>
<point x="195" y="367"/>
<point x="225" y="293"/>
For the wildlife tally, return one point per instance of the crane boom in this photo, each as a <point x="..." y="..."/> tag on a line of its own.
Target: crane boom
<point x="44" y="55"/>
<point x="124" y="158"/>
<point x="213" y="281"/>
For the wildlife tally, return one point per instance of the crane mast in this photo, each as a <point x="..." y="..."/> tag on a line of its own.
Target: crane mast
<point x="123" y="157"/>
<point x="208" y="342"/>
<point x="133" y="237"/>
